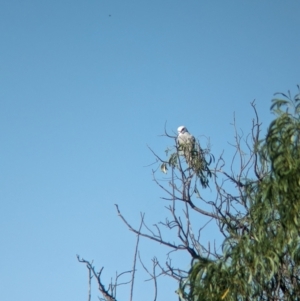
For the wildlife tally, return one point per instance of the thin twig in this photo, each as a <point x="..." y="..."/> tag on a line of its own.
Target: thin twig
<point x="135" y="256"/>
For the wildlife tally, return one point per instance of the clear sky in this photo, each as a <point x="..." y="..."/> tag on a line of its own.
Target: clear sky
<point x="85" y="87"/>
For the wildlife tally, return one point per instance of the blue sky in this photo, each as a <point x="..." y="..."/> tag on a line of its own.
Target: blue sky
<point x="85" y="87"/>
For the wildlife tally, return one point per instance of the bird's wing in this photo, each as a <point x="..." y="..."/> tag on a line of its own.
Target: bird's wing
<point x="188" y="138"/>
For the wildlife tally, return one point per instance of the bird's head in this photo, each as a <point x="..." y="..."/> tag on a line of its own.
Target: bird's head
<point x="182" y="129"/>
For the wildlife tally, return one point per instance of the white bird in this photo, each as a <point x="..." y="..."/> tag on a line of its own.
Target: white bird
<point x="186" y="144"/>
<point x="184" y="137"/>
<point x="188" y="147"/>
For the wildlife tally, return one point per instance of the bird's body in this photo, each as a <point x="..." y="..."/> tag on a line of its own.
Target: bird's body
<point x="185" y="137"/>
<point x="188" y="147"/>
<point x="186" y="144"/>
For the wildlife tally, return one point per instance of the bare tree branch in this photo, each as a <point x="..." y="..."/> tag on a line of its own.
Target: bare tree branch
<point x="135" y="256"/>
<point x="101" y="287"/>
<point x="153" y="275"/>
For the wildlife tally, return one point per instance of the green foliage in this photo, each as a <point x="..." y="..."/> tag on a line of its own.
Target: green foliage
<point x="261" y="252"/>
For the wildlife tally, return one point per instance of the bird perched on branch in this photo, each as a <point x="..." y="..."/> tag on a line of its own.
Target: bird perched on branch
<point x="186" y="144"/>
<point x="188" y="147"/>
<point x="184" y="137"/>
